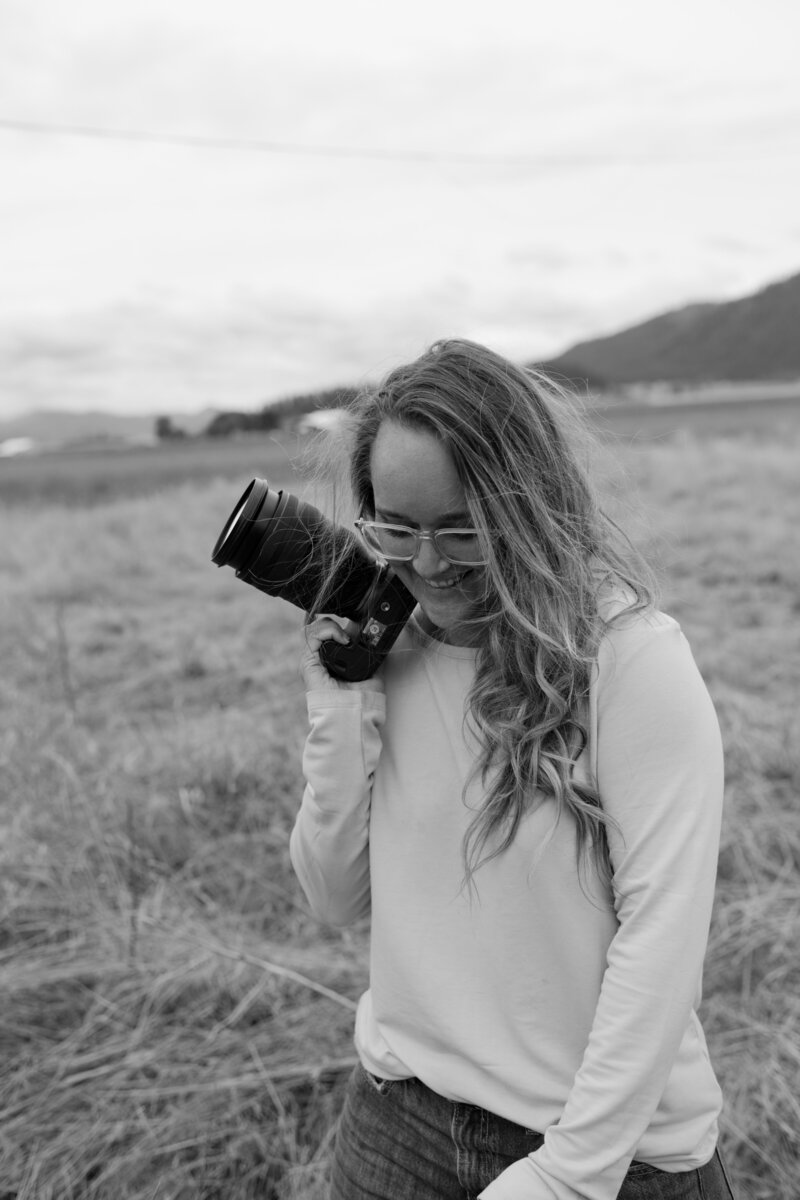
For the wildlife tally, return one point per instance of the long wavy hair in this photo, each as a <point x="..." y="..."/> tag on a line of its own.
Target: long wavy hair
<point x="552" y="555"/>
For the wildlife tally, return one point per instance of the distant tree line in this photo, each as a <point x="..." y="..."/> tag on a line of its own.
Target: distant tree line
<point x="167" y="431"/>
<point x="272" y="416"/>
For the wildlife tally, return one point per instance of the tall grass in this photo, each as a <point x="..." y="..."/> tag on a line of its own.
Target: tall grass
<point x="174" y="1024"/>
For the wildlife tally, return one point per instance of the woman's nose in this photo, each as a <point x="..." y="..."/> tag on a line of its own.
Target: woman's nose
<point x="428" y="562"/>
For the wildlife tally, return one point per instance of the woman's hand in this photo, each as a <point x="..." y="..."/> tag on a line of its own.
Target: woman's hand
<point x="315" y="676"/>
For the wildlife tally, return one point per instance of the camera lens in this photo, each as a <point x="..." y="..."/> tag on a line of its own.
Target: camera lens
<point x="287" y="548"/>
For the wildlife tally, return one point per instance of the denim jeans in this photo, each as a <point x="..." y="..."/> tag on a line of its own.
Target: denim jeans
<point x="398" y="1140"/>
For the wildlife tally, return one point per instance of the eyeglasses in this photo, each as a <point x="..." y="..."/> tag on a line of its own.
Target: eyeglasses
<point x="399" y="543"/>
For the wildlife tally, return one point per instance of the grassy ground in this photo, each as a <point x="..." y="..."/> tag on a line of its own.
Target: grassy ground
<point x="174" y="1025"/>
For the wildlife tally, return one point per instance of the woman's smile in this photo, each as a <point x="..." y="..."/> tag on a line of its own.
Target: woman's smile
<point x="440" y="584"/>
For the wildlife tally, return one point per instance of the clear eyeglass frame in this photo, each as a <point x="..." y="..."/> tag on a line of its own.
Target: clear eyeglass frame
<point x="369" y="532"/>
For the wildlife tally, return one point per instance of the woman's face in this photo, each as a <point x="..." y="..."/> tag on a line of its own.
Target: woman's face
<point x="415" y="483"/>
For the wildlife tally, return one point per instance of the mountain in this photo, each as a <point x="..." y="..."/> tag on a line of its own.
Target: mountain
<point x="756" y="337"/>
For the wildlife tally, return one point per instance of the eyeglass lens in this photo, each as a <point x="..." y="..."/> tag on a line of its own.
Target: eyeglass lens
<point x="402" y="543"/>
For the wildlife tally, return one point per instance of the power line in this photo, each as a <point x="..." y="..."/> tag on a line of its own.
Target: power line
<point x="216" y="142"/>
<point x="262" y="146"/>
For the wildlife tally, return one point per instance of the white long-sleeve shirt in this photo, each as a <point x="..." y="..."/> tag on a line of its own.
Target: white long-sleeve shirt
<point x="547" y="997"/>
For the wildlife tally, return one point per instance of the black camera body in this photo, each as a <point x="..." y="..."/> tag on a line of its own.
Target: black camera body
<point x="287" y="548"/>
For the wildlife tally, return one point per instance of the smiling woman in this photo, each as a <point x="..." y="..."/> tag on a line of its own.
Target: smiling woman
<point x="526" y="799"/>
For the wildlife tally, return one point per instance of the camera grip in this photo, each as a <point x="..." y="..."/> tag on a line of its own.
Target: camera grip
<point x="388" y="607"/>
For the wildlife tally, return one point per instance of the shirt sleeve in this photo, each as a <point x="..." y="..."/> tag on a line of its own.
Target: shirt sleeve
<point x="660" y="777"/>
<point x="329" y="844"/>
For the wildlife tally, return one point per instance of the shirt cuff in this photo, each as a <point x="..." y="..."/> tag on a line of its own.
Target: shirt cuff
<point x="522" y="1181"/>
<point x="369" y="702"/>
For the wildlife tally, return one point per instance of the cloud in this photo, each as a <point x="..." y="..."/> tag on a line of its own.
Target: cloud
<point x="505" y="76"/>
<point x="152" y="356"/>
<point x="147" y="357"/>
<point x="135" y="270"/>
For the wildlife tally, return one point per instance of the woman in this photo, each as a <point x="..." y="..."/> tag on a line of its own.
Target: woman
<point x="526" y="799"/>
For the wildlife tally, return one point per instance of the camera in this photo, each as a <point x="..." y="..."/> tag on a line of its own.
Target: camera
<point x="287" y="548"/>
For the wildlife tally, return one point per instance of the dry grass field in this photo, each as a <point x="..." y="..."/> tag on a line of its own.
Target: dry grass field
<point x="83" y="476"/>
<point x="174" y="1025"/>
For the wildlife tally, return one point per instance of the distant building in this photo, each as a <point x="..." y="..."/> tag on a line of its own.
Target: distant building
<point x="321" y="420"/>
<point x="16" y="445"/>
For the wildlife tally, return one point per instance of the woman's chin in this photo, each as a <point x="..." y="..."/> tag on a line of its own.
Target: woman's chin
<point x="444" y="612"/>
<point x="447" y="611"/>
<point x="449" y="622"/>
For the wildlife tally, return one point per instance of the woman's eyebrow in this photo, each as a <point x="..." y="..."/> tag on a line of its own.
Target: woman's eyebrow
<point x="404" y="519"/>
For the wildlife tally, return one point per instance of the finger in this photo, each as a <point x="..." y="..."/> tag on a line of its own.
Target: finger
<point x="331" y="628"/>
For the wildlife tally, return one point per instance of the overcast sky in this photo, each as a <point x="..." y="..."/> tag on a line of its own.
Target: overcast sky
<point x="521" y="173"/>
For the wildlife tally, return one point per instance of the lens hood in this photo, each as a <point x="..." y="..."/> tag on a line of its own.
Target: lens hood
<point x="241" y="530"/>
